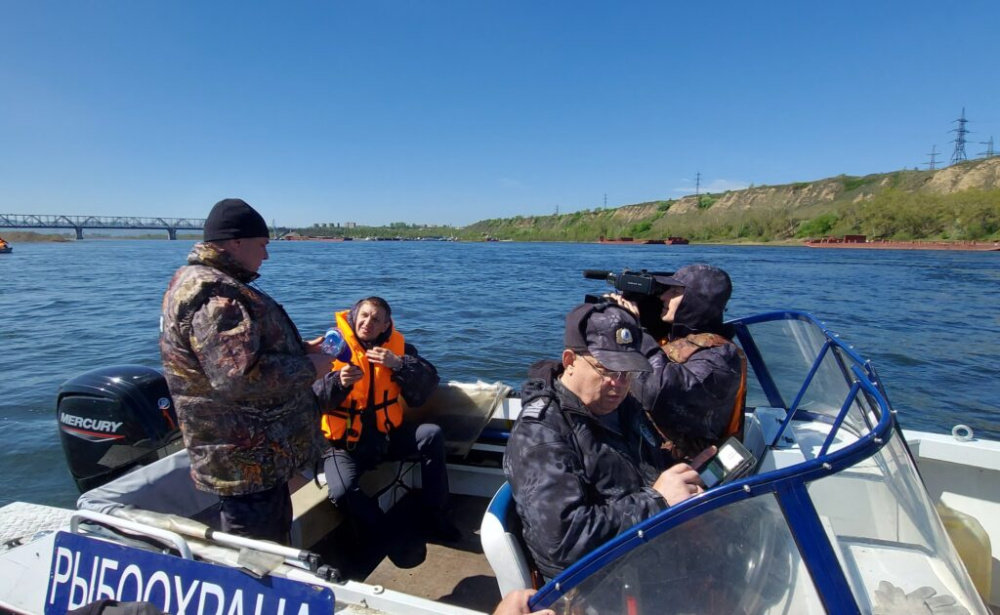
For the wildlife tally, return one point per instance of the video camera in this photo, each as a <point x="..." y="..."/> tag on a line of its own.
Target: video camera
<point x="641" y="288"/>
<point x="632" y="284"/>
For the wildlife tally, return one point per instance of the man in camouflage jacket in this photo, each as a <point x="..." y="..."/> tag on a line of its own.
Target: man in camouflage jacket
<point x="697" y="389"/>
<point x="583" y="462"/>
<point x="240" y="376"/>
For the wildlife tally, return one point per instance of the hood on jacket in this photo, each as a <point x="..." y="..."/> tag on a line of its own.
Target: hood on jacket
<point x="212" y="255"/>
<point x="542" y="376"/>
<point x="706" y="292"/>
<point x="352" y="318"/>
<point x="541" y="383"/>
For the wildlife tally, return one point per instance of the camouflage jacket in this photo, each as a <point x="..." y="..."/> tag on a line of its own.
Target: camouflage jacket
<point x="691" y="391"/>
<point x="576" y="482"/>
<point x="696" y="377"/>
<point x="241" y="382"/>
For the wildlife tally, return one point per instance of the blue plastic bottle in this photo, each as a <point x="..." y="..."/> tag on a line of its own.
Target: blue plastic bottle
<point x="335" y="345"/>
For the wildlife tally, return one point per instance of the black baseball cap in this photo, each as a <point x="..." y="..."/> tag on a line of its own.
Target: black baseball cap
<point x="667" y="278"/>
<point x="609" y="333"/>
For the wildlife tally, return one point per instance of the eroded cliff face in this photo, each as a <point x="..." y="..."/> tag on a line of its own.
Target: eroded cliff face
<point x="981" y="174"/>
<point x="977" y="174"/>
<point x="790" y="196"/>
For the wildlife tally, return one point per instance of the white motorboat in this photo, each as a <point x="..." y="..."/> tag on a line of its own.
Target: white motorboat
<point x="838" y="514"/>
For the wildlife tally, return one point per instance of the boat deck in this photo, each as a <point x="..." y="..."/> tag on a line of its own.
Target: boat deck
<point x="456" y="574"/>
<point x="453" y="573"/>
<point x="20" y="522"/>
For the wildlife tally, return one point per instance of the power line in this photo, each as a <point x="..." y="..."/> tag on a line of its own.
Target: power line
<point x="933" y="156"/>
<point x="989" y="153"/>
<point x="959" y="154"/>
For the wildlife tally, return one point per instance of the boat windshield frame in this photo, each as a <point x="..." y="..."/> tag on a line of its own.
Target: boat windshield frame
<point x="788" y="485"/>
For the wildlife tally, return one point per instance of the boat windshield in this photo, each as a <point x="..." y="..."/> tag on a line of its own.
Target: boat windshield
<point x="835" y="518"/>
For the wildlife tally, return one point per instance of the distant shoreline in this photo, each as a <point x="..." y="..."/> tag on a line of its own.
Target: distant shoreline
<point x="21" y="237"/>
<point x="15" y="237"/>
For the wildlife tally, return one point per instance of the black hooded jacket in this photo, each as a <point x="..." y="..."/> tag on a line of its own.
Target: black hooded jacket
<point x="694" y="399"/>
<point x="576" y="482"/>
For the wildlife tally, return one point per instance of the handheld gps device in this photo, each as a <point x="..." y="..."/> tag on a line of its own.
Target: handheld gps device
<point x="730" y="462"/>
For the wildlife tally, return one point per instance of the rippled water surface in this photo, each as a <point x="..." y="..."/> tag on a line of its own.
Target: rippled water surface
<point x="929" y="320"/>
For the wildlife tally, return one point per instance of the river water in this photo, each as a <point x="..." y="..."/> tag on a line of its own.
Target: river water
<point x="929" y="320"/>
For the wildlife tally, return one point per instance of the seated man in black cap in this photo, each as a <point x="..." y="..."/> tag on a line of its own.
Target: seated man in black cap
<point x="240" y="376"/>
<point x="583" y="462"/>
<point x="697" y="389"/>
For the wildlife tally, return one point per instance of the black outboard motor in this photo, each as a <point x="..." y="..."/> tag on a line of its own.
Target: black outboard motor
<point x="113" y="419"/>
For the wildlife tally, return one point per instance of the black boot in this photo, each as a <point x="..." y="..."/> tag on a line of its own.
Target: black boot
<point x="438" y="527"/>
<point x="404" y="551"/>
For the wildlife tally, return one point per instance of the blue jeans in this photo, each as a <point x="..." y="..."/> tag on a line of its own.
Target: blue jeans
<point x="344" y="469"/>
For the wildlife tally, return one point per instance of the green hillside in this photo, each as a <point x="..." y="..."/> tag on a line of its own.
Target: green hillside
<point x="961" y="202"/>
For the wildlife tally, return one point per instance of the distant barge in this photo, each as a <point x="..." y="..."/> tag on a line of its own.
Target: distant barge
<point x="297" y="237"/>
<point x="670" y="241"/>
<point x="862" y="242"/>
<point x="293" y="237"/>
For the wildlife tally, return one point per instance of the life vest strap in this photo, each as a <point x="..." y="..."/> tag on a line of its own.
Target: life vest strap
<point x="343" y="411"/>
<point x="739" y="404"/>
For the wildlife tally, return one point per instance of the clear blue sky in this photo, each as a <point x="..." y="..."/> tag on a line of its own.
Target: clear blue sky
<point x="462" y="110"/>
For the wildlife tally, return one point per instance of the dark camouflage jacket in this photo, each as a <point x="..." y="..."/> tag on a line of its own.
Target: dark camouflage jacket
<point x="691" y="396"/>
<point x="577" y="483"/>
<point x="691" y="402"/>
<point x="240" y="379"/>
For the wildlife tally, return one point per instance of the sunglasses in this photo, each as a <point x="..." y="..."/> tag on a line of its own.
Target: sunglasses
<point x="608" y="374"/>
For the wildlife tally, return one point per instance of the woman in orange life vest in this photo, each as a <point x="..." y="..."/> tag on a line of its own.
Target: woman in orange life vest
<point x="363" y="419"/>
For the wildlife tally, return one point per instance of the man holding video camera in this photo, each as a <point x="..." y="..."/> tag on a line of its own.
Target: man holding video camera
<point x="583" y="461"/>
<point x="697" y="389"/>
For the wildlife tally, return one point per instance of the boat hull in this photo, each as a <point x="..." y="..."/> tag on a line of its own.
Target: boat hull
<point x="973" y="246"/>
<point x="628" y="241"/>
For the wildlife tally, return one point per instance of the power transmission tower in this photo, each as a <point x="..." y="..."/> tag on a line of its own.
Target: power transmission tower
<point x="959" y="154"/>
<point x="605" y="200"/>
<point x="989" y="153"/>
<point x="933" y="156"/>
<point x="697" y="184"/>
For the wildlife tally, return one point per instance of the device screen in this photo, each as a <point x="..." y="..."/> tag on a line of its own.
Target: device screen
<point x="728" y="460"/>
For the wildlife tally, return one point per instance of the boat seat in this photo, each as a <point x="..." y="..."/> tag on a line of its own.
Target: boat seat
<point x="503" y="544"/>
<point x="166" y="487"/>
<point x="401" y="483"/>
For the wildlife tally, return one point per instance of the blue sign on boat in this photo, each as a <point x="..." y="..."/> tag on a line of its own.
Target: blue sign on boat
<point x="85" y="570"/>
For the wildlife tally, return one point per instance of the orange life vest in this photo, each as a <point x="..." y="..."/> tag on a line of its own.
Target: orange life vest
<point x="345" y="422"/>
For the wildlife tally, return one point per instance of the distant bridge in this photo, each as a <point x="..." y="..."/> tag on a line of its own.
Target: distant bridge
<point x="78" y="223"/>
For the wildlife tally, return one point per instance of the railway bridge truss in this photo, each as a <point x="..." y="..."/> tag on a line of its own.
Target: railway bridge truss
<point x="79" y="223"/>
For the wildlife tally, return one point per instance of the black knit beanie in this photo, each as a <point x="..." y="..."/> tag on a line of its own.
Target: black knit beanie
<point x="234" y="219"/>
